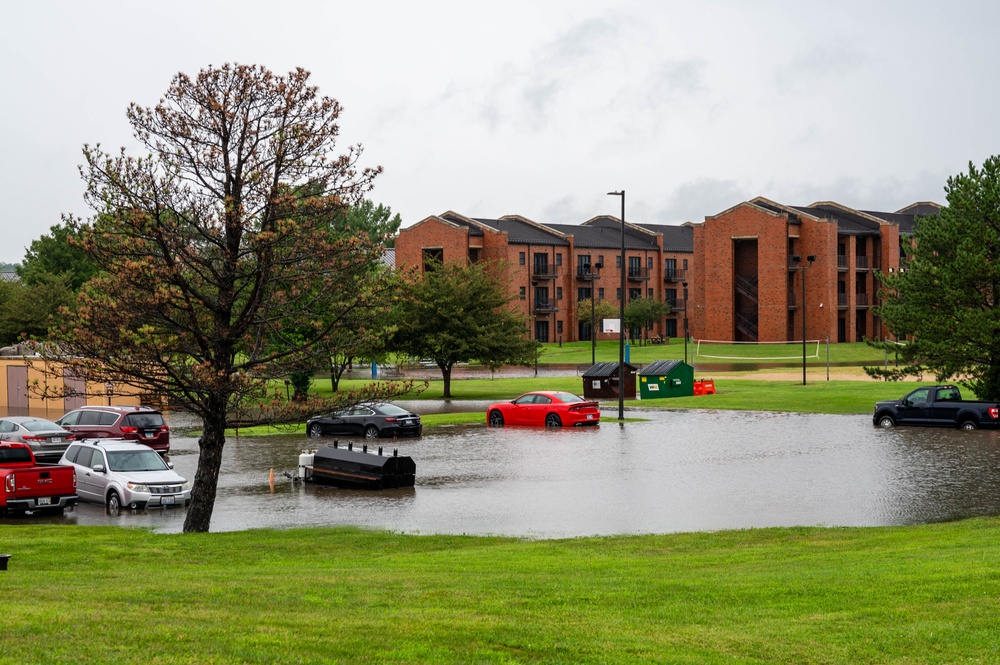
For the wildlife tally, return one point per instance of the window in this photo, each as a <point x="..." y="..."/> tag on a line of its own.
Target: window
<point x="649" y="262"/>
<point x="600" y="259"/>
<point x="685" y="264"/>
<point x="618" y="293"/>
<point x="523" y="293"/>
<point x="558" y="293"/>
<point x="671" y="298"/>
<point x="520" y="258"/>
<point x="618" y="261"/>
<point x="559" y="327"/>
<point x="600" y="294"/>
<point x="634" y="294"/>
<point x="558" y="259"/>
<point x="583" y="294"/>
<point x="649" y="293"/>
<point x="433" y="257"/>
<point x="671" y="329"/>
<point x="670" y="268"/>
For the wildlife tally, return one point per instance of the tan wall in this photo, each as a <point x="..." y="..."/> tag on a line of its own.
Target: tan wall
<point x="13" y="390"/>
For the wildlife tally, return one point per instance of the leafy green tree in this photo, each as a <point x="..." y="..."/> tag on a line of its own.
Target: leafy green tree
<point x="453" y="314"/>
<point x="58" y="253"/>
<point x="375" y="220"/>
<point x="603" y="309"/>
<point x="642" y="313"/>
<point x="217" y="271"/>
<point x="27" y="311"/>
<point x="946" y="300"/>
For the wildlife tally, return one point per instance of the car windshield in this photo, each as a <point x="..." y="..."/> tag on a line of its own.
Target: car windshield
<point x="135" y="460"/>
<point x="569" y="398"/>
<point x="40" y="426"/>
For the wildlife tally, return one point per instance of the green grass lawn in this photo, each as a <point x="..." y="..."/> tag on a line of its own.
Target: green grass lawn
<point x="925" y="594"/>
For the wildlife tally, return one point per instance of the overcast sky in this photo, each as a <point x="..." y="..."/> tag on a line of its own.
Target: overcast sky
<point x="537" y="108"/>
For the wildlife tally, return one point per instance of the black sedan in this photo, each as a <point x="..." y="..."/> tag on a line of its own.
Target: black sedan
<point x="371" y="421"/>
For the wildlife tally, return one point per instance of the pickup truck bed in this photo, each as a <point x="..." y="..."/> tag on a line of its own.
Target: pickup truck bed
<point x="28" y="486"/>
<point x="936" y="406"/>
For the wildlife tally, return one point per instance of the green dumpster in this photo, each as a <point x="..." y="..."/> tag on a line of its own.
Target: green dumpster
<point x="666" y="378"/>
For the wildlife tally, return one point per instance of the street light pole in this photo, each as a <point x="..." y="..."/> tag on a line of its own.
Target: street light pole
<point x="593" y="320"/>
<point x="685" y="285"/>
<point x="621" y="320"/>
<point x="801" y="267"/>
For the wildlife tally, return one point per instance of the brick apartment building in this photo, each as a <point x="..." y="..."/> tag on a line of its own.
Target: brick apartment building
<point x="733" y="276"/>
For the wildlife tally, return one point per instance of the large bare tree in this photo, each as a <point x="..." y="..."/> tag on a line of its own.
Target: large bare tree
<point x="219" y="269"/>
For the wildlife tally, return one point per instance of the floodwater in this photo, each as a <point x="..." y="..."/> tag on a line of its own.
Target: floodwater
<point x="679" y="471"/>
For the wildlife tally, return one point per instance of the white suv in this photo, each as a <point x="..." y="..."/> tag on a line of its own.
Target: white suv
<point x="120" y="473"/>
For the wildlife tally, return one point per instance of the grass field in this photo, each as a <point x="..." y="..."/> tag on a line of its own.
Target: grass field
<point x="808" y="595"/>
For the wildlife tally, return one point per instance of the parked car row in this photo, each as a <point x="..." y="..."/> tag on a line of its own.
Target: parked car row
<point x="49" y="440"/>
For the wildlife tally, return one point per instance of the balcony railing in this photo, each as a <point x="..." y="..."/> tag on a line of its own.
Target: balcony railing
<point x="675" y="275"/>
<point x="842" y="261"/>
<point x="545" y="306"/>
<point x="586" y="273"/>
<point x="862" y="300"/>
<point x="544" y="271"/>
<point x="675" y="304"/>
<point x="638" y="274"/>
<point x="841" y="300"/>
<point x="861" y="263"/>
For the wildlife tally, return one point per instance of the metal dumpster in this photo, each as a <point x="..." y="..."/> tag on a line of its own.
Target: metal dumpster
<point x="601" y="381"/>
<point x="346" y="467"/>
<point x="666" y="378"/>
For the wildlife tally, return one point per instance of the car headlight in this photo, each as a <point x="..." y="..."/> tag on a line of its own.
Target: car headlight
<point x="138" y="487"/>
<point x="186" y="487"/>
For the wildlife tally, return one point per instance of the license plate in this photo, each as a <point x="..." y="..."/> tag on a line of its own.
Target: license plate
<point x="57" y="439"/>
<point x="150" y="435"/>
<point x="44" y="501"/>
<point x="167" y="500"/>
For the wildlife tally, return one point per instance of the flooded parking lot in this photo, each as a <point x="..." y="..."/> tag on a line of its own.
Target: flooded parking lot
<point x="678" y="471"/>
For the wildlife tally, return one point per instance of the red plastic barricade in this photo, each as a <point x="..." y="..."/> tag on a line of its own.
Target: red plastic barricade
<point x="705" y="387"/>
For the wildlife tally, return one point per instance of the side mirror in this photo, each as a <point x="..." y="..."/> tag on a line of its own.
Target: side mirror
<point x="99" y="468"/>
<point x="170" y="465"/>
<point x="907" y="402"/>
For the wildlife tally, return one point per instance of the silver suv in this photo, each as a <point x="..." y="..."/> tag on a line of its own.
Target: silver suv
<point x="120" y="473"/>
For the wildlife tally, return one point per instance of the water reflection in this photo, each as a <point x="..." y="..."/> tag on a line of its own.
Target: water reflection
<point x="681" y="471"/>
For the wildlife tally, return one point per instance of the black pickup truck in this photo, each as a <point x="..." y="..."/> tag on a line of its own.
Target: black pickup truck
<point x="936" y="406"/>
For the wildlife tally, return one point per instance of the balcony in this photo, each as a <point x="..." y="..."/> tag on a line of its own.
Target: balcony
<point x="841" y="262"/>
<point x="545" y="306"/>
<point x="587" y="274"/>
<point x="841" y="300"/>
<point x="544" y="271"/>
<point x="675" y="275"/>
<point x="676" y="304"/>
<point x="862" y="300"/>
<point x="861" y="263"/>
<point x="636" y="274"/>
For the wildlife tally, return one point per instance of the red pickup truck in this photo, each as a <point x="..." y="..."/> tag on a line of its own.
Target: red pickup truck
<point x="27" y="485"/>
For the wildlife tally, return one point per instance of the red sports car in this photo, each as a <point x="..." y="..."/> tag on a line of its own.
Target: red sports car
<point x="544" y="407"/>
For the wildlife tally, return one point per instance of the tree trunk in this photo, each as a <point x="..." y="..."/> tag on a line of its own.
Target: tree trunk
<point x="446" y="375"/>
<point x="206" y="478"/>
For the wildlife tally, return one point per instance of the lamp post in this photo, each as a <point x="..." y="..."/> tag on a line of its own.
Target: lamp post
<point x="797" y="260"/>
<point x="109" y="389"/>
<point x="621" y="320"/>
<point x="593" y="319"/>
<point x="685" y="285"/>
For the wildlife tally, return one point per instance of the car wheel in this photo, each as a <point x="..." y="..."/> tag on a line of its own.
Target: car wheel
<point x="496" y="419"/>
<point x="371" y="432"/>
<point x="114" y="504"/>
<point x="315" y="430"/>
<point x="968" y="424"/>
<point x="886" y="422"/>
<point x="552" y="420"/>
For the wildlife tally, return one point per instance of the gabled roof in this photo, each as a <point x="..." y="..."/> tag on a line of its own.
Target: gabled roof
<point x="606" y="233"/>
<point x="849" y="222"/>
<point x="675" y="238"/>
<point x="907" y="218"/>
<point x="521" y="230"/>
